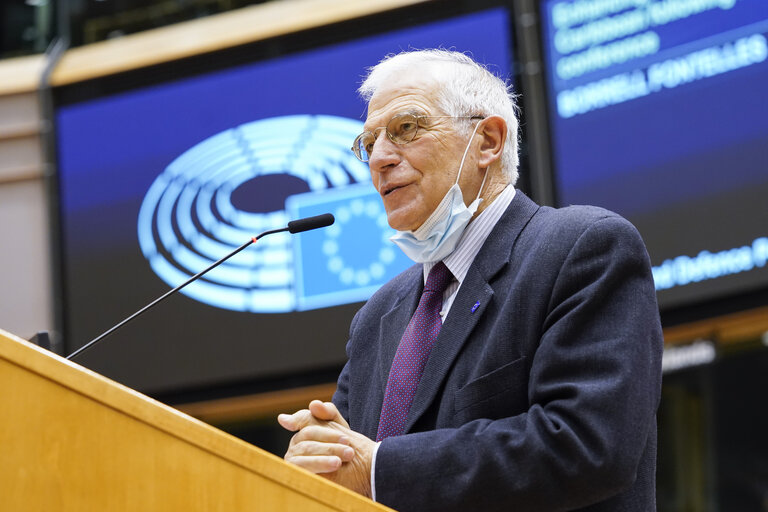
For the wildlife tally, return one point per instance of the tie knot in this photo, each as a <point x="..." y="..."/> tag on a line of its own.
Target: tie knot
<point x="438" y="279"/>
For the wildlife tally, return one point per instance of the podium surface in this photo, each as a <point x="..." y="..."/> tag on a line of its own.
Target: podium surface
<point x="73" y="440"/>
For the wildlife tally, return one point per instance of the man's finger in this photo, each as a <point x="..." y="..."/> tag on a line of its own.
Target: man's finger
<point x="322" y="434"/>
<point x="316" y="464"/>
<point x="326" y="411"/>
<point x="287" y="422"/>
<point x="295" y="421"/>
<point x="315" y="448"/>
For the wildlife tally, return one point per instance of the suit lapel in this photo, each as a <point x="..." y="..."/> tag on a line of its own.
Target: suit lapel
<point x="461" y="319"/>
<point x="392" y="327"/>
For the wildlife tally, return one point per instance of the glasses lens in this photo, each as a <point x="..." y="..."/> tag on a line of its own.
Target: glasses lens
<point x="363" y="146"/>
<point x="402" y="128"/>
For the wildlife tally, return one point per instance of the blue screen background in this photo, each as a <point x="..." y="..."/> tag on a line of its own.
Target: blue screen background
<point x="687" y="164"/>
<point x="112" y="148"/>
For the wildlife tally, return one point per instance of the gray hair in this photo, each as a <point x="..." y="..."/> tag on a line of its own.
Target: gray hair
<point x="466" y="89"/>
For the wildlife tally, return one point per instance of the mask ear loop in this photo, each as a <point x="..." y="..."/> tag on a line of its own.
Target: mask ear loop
<point x="481" y="185"/>
<point x="466" y="150"/>
<point x="461" y="165"/>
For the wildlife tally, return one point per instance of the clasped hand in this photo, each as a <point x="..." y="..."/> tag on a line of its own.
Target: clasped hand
<point x="324" y="444"/>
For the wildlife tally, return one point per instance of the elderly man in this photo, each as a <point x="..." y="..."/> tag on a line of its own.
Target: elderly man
<point x="517" y="365"/>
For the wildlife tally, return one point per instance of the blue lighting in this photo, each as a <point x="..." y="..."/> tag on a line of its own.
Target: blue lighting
<point x="188" y="219"/>
<point x="348" y="261"/>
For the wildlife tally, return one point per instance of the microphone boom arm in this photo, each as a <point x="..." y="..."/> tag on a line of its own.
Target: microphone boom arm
<point x="170" y="292"/>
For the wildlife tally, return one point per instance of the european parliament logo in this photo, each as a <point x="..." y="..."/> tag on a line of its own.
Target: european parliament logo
<point x="256" y="177"/>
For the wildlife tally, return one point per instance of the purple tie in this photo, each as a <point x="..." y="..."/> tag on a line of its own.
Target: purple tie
<point x="412" y="354"/>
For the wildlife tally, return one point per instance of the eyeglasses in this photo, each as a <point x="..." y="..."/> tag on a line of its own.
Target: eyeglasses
<point x="401" y="129"/>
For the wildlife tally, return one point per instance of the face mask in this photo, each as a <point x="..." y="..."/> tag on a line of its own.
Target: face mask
<point x="440" y="233"/>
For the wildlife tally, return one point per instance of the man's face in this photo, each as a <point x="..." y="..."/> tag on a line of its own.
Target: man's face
<point x="413" y="178"/>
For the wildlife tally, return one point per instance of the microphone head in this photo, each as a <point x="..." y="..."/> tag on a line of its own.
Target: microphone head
<point x="305" y="224"/>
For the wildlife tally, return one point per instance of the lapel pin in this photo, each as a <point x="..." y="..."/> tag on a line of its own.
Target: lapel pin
<point x="474" y="308"/>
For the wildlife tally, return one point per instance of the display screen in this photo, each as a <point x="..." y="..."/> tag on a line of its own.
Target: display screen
<point x="659" y="112"/>
<point x="158" y="182"/>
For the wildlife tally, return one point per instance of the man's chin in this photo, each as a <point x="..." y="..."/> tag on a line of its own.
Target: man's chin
<point x="400" y="222"/>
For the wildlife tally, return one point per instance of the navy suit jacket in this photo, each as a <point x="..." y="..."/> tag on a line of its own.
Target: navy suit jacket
<point x="544" y="396"/>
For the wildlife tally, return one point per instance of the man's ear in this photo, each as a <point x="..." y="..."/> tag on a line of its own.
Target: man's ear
<point x="493" y="130"/>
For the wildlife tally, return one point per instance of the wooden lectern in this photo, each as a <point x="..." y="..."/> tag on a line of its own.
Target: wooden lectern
<point x="73" y="440"/>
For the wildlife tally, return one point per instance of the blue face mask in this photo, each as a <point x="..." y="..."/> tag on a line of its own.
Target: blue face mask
<point x="438" y="236"/>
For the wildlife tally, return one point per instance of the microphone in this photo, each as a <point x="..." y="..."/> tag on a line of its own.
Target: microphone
<point x="294" y="226"/>
<point x="318" y="221"/>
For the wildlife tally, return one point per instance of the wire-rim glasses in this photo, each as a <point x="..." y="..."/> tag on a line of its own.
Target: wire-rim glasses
<point x="401" y="129"/>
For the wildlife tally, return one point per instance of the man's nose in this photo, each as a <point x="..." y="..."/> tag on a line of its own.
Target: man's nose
<point x="384" y="154"/>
